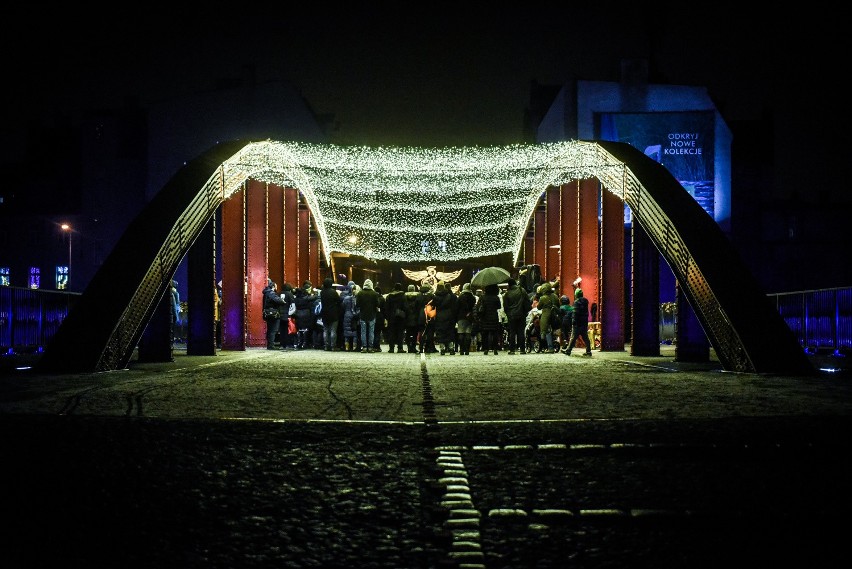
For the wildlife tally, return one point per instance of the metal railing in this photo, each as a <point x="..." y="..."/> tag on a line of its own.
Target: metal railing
<point x="821" y="319"/>
<point x="30" y="317"/>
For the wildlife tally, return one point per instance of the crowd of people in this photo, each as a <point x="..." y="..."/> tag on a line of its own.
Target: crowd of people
<point x="430" y="319"/>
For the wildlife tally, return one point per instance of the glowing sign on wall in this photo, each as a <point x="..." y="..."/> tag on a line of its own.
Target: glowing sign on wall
<point x="683" y="142"/>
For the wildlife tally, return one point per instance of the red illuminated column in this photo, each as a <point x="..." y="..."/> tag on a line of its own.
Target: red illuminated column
<point x="314" y="260"/>
<point x="553" y="230"/>
<point x="589" y="237"/>
<point x="304" y="246"/>
<point x="291" y="236"/>
<point x="257" y="269"/>
<point x="570" y="264"/>
<point x="276" y="235"/>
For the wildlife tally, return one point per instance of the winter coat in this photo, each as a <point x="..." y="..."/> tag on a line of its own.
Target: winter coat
<point x="464" y="306"/>
<point x="331" y="305"/>
<point x="305" y="319"/>
<point x="288" y="298"/>
<point x="488" y="318"/>
<point x="394" y="300"/>
<point x="547" y="302"/>
<point x="348" y="309"/>
<point x="516" y="303"/>
<point x="271" y="299"/>
<point x="567" y="316"/>
<point x="380" y="312"/>
<point x="581" y="312"/>
<point x="411" y="308"/>
<point x="368" y="303"/>
<point x="445" y="314"/>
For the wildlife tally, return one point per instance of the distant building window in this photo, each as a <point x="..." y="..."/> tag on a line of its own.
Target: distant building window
<point x="4" y="276"/>
<point x="35" y="277"/>
<point x="61" y="277"/>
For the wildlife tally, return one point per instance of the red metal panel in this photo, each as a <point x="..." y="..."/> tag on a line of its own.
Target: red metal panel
<point x="233" y="272"/>
<point x="540" y="246"/>
<point x="570" y="241"/>
<point x="276" y="234"/>
<point x="256" y="267"/>
<point x="611" y="312"/>
<point x="291" y="236"/>
<point x="314" y="262"/>
<point x="551" y="268"/>
<point x="304" y="246"/>
<point x="589" y="239"/>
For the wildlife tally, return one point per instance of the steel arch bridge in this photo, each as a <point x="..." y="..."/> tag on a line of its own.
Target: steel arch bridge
<point x="107" y="322"/>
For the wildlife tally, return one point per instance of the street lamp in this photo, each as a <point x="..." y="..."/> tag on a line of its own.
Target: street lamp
<point x="67" y="229"/>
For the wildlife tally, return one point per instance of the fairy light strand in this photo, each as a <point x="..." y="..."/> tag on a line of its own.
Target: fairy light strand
<point x="420" y="204"/>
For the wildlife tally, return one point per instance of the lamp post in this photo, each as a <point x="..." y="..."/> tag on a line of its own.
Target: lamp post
<point x="67" y="228"/>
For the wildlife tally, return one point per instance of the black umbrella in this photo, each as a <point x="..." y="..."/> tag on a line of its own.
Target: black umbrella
<point x="490" y="276"/>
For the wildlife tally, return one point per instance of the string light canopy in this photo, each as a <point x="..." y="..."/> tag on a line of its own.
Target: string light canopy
<point x="409" y="204"/>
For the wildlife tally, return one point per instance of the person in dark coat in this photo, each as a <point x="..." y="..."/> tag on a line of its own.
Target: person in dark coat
<point x="517" y="304"/>
<point x="424" y="326"/>
<point x="548" y="302"/>
<point x="288" y="340"/>
<point x="381" y="318"/>
<point x="330" y="314"/>
<point x="396" y="314"/>
<point x="581" y="323"/>
<point x="411" y="319"/>
<point x="367" y="301"/>
<point x="351" y="322"/>
<point x="567" y="308"/>
<point x="465" y="305"/>
<point x="489" y="321"/>
<point x="271" y="299"/>
<point x="305" y="318"/>
<point x="445" y="319"/>
<point x="315" y="332"/>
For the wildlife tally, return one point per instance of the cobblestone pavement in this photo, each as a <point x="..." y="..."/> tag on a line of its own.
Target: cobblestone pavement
<point x="334" y="459"/>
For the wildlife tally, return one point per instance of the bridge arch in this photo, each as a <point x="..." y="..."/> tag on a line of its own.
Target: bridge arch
<point x="103" y="328"/>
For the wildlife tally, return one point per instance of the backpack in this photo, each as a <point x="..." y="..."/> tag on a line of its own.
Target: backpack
<point x="556" y="315"/>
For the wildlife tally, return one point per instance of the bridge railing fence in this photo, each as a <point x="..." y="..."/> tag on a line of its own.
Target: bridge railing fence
<point x="821" y="319"/>
<point x="30" y="317"/>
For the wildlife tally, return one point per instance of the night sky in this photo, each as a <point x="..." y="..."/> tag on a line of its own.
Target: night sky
<point x="434" y="76"/>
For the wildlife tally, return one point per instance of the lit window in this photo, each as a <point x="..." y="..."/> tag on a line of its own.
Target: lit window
<point x="61" y="277"/>
<point x="35" y="277"/>
<point x="4" y="276"/>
